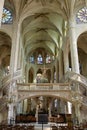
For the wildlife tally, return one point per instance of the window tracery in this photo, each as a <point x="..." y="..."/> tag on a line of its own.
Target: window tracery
<point x="81" y="16"/>
<point x="39" y="59"/>
<point x="48" y="59"/>
<point x="6" y="16"/>
<point x="31" y="59"/>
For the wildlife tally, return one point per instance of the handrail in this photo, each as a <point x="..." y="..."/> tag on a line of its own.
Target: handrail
<point x="75" y="77"/>
<point x="84" y="100"/>
<point x="9" y="78"/>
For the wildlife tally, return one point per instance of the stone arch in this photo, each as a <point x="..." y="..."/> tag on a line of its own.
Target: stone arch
<point x="51" y="97"/>
<point x="63" y="95"/>
<point x="82" y="52"/>
<point x="5" y="52"/>
<point x="31" y="75"/>
<point x="48" y="73"/>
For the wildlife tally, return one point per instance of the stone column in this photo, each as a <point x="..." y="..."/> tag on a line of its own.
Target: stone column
<point x="36" y="115"/>
<point x="15" y="47"/>
<point x="66" y="61"/>
<point x="11" y="113"/>
<point x="26" y="73"/>
<point x="28" y="105"/>
<point x="19" y="107"/>
<point x="20" y="55"/>
<point x="37" y="109"/>
<point x="12" y="98"/>
<point x="57" y="71"/>
<point x="52" y="75"/>
<point x="1" y="10"/>
<point x="50" y="103"/>
<point x="77" y="112"/>
<point x="1" y="117"/>
<point x="73" y="46"/>
<point x="60" y="65"/>
<point x="25" y="106"/>
<point x="69" y="105"/>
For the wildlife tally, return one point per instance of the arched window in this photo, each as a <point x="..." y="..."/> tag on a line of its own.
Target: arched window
<point x="81" y="16"/>
<point x="32" y="59"/>
<point x="39" y="59"/>
<point x="6" y="16"/>
<point x="48" y="59"/>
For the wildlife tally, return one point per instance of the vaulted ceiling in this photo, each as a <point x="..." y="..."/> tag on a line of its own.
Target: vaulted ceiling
<point x="43" y="22"/>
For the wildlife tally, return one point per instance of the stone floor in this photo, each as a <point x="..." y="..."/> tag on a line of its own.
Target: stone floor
<point x="42" y="127"/>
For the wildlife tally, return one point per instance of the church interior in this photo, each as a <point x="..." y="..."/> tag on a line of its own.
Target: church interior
<point x="43" y="64"/>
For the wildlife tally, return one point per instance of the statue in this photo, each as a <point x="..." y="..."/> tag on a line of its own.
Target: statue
<point x="41" y="78"/>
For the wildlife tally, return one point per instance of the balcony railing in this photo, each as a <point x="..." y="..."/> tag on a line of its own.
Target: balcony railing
<point x="75" y="77"/>
<point x="9" y="78"/>
<point x="44" y="86"/>
<point x="84" y="100"/>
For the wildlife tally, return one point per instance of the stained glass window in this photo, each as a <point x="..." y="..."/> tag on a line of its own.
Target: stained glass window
<point x="6" y="16"/>
<point x="81" y="16"/>
<point x="48" y="59"/>
<point x="32" y="59"/>
<point x="39" y="59"/>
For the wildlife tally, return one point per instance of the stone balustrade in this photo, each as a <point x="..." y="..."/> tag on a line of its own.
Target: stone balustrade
<point x="58" y="88"/>
<point x="45" y="86"/>
<point x="84" y="100"/>
<point x="75" y="78"/>
<point x="10" y="78"/>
